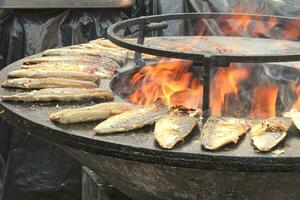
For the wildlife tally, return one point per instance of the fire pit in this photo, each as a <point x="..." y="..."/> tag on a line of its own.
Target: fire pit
<point x="134" y="163"/>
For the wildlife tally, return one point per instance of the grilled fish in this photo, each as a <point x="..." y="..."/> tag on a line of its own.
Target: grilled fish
<point x="295" y="116"/>
<point x="28" y="73"/>
<point x="29" y="83"/>
<point x="120" y="58"/>
<point x="268" y="133"/>
<point x="103" y="43"/>
<point x="61" y="94"/>
<point x="134" y="119"/>
<point x="218" y="131"/>
<point x="80" y="67"/>
<point x="77" y="58"/>
<point x="174" y="127"/>
<point x="91" y="113"/>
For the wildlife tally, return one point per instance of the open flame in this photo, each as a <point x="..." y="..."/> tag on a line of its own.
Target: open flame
<point x="173" y="80"/>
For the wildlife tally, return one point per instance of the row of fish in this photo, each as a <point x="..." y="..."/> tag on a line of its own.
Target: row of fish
<point x="175" y="124"/>
<point x="79" y="64"/>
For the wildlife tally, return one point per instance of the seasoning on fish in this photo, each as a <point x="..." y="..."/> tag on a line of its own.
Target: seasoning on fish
<point x="120" y="57"/>
<point x="61" y="94"/>
<point x="268" y="133"/>
<point x="29" y="73"/>
<point x="91" y="113"/>
<point x="174" y="127"/>
<point x="295" y="116"/>
<point x="219" y="131"/>
<point x="77" y="58"/>
<point x="29" y="83"/>
<point x="96" y="69"/>
<point x="134" y="119"/>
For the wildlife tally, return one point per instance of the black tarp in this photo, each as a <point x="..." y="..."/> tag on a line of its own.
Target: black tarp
<point x="33" y="169"/>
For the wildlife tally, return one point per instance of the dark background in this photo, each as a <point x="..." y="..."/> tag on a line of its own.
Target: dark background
<point x="33" y="169"/>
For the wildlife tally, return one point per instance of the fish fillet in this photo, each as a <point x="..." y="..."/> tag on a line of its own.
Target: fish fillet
<point x="91" y="113"/>
<point x="91" y="69"/>
<point x="219" y="131"/>
<point x="29" y="83"/>
<point x="77" y="58"/>
<point x="268" y="133"/>
<point x="134" y="119"/>
<point x="28" y="73"/>
<point x="120" y="58"/>
<point x="61" y="94"/>
<point x="174" y="127"/>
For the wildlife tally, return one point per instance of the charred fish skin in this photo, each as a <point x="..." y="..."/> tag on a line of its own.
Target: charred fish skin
<point x="268" y="133"/>
<point x="91" y="113"/>
<point x="28" y="73"/>
<point x="131" y="120"/>
<point x="29" y="83"/>
<point x="174" y="127"/>
<point x="120" y="58"/>
<point x="219" y="131"/>
<point x="60" y="94"/>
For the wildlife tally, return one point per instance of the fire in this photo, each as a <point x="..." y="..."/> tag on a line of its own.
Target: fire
<point x="226" y="82"/>
<point x="264" y="102"/>
<point x="169" y="80"/>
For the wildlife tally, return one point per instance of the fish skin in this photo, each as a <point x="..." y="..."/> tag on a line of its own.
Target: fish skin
<point x="120" y="58"/>
<point x="91" y="113"/>
<point x="131" y="120"/>
<point x="219" y="131"/>
<point x="60" y="94"/>
<point x="99" y="71"/>
<point x="30" y="83"/>
<point x="105" y="63"/>
<point x="174" y="127"/>
<point x="31" y="73"/>
<point x="266" y="134"/>
<point x="77" y="58"/>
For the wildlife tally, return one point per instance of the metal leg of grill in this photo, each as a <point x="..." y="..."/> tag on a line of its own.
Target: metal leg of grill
<point x="95" y="188"/>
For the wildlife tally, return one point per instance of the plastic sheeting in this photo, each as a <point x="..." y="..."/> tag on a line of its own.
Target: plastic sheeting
<point x="35" y="169"/>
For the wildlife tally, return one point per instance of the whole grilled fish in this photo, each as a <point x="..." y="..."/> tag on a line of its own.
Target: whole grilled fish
<point x="29" y="83"/>
<point x="77" y="58"/>
<point x="91" y="113"/>
<point x="61" y="94"/>
<point x="134" y="119"/>
<point x="120" y="58"/>
<point x="268" y="133"/>
<point x="91" y="69"/>
<point x="30" y="73"/>
<point x="218" y="131"/>
<point x="174" y="127"/>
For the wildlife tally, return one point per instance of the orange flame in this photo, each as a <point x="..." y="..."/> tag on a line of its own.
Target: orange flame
<point x="169" y="80"/>
<point x="264" y="102"/>
<point x="226" y="82"/>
